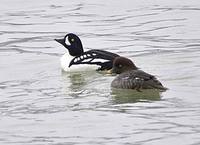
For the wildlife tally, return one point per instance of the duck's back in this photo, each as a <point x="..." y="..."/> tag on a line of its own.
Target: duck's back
<point x="136" y="79"/>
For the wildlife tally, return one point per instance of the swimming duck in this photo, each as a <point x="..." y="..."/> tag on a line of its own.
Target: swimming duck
<point x="130" y="77"/>
<point x="78" y="60"/>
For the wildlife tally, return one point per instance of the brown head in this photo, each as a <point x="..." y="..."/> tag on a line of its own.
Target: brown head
<point x="122" y="64"/>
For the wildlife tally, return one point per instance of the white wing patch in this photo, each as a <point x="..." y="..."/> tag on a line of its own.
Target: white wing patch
<point x="88" y="58"/>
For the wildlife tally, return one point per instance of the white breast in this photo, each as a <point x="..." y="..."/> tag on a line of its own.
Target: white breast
<point x="66" y="59"/>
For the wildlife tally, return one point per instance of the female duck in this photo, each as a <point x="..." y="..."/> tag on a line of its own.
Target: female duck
<point x="130" y="77"/>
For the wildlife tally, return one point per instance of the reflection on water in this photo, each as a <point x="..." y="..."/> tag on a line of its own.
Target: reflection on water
<point x="40" y="105"/>
<point x="76" y="81"/>
<point x="120" y="96"/>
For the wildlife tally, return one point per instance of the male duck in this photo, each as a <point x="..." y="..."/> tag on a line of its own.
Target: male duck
<point x="78" y="60"/>
<point x="130" y="77"/>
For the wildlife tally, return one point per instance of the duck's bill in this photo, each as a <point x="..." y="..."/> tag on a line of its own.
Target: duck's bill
<point x="110" y="71"/>
<point x="61" y="41"/>
<point x="106" y="72"/>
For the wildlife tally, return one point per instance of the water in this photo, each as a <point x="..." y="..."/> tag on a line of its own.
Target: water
<point x="40" y="105"/>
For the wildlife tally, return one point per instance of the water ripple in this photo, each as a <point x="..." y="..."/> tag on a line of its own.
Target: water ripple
<point x="41" y="105"/>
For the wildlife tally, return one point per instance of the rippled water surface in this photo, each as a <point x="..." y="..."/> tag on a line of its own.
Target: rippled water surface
<point x="40" y="105"/>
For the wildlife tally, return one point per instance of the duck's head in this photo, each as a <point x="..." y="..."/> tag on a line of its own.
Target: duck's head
<point x="122" y="64"/>
<point x="73" y="43"/>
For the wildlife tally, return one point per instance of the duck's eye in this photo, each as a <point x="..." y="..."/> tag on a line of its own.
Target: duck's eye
<point x="72" y="40"/>
<point x="120" y="66"/>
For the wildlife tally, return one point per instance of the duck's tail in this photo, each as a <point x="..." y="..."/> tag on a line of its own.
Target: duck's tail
<point x="156" y="84"/>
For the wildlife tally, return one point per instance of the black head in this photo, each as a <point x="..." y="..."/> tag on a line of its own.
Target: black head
<point x="122" y="64"/>
<point x="72" y="43"/>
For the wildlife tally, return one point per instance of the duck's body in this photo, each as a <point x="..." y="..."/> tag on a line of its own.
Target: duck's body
<point x="65" y="61"/>
<point x="78" y="60"/>
<point x="136" y="79"/>
<point x="130" y="77"/>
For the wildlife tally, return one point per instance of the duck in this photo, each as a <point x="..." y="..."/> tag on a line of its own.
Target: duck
<point x="131" y="77"/>
<point x="76" y="59"/>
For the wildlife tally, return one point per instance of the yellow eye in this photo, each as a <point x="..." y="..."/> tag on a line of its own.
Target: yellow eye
<point x="72" y="40"/>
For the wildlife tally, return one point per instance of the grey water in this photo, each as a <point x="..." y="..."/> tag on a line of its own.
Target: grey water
<point x="41" y="105"/>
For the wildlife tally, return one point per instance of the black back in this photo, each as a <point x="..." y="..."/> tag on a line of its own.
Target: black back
<point x="97" y="57"/>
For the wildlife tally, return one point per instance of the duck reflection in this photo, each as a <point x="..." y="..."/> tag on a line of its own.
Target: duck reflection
<point x="120" y="96"/>
<point x="76" y="81"/>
